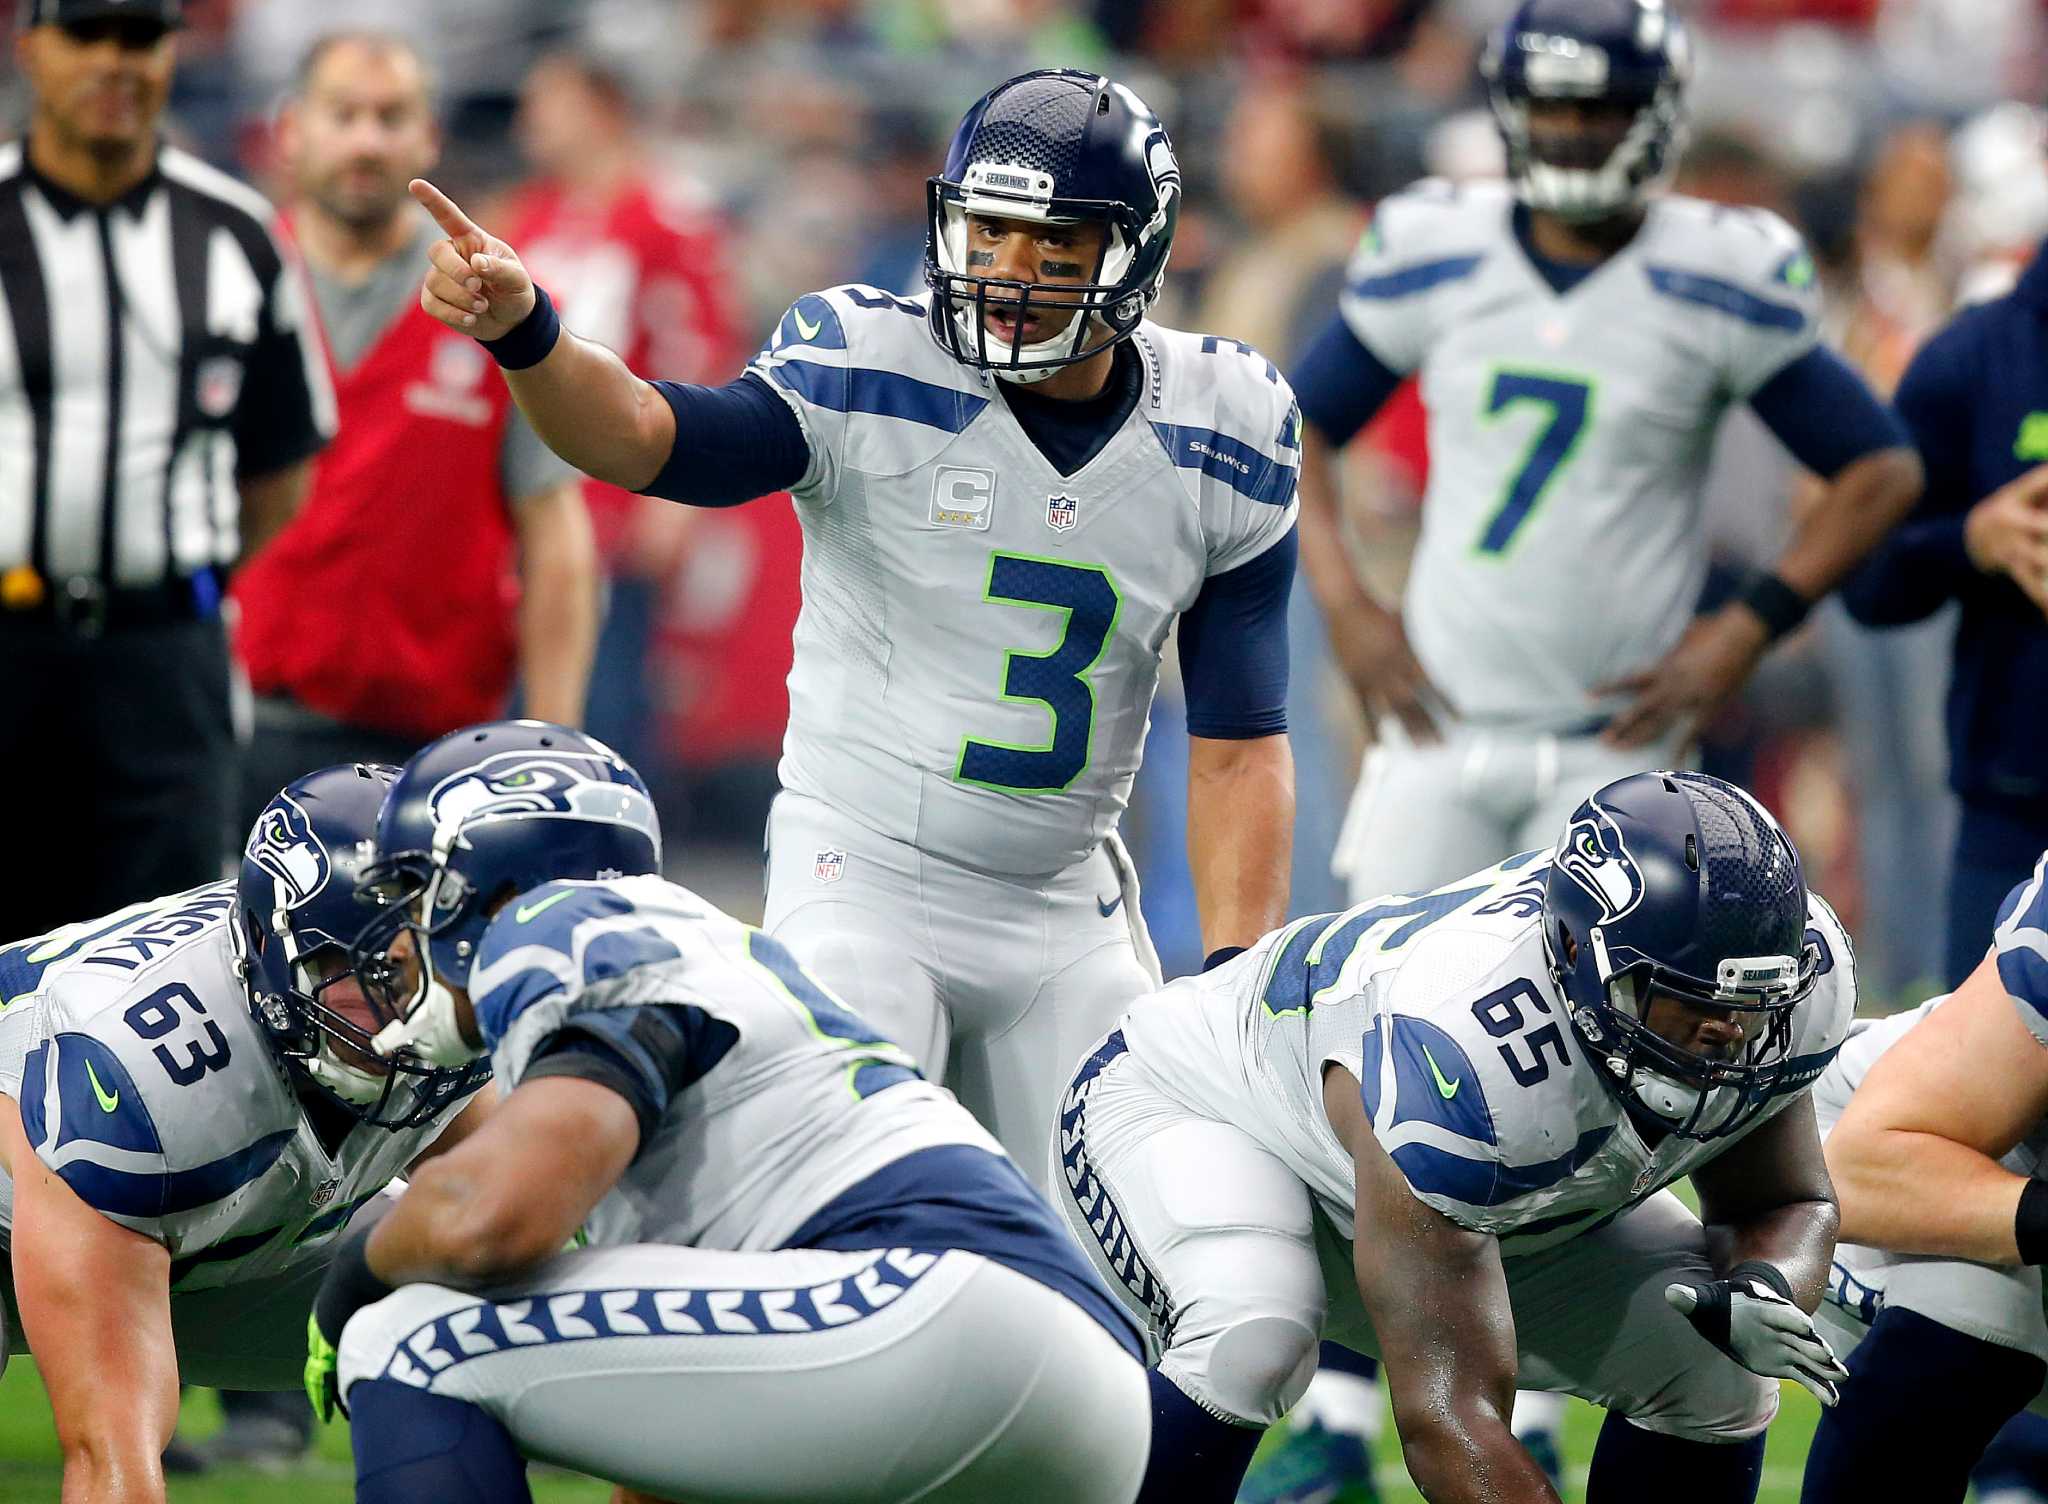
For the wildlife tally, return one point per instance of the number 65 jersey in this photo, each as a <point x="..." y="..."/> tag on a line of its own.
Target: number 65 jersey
<point x="1443" y="1007"/>
<point x="980" y="635"/>
<point x="148" y="1087"/>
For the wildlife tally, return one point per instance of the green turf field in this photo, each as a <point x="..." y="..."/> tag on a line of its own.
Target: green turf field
<point x="29" y="1472"/>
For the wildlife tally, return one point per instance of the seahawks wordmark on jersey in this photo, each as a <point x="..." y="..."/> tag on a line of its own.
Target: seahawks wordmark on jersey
<point x="1442" y="1006"/>
<point x="772" y="1097"/>
<point x="146" y="1084"/>
<point x="980" y="635"/>
<point x="1562" y="540"/>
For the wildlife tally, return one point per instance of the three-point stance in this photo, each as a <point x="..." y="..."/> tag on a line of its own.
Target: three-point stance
<point x="809" y="1273"/>
<point x="1438" y="1128"/>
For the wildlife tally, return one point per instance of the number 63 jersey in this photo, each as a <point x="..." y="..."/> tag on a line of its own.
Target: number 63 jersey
<point x="1443" y="1007"/>
<point x="980" y="635"/>
<point x="146" y="1084"/>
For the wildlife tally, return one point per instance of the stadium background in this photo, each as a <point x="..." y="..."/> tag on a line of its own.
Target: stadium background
<point x="1898" y="134"/>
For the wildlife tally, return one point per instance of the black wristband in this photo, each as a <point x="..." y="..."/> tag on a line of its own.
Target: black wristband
<point x="1765" y="1271"/>
<point x="528" y="342"/>
<point x="2030" y="1223"/>
<point x="349" y="1286"/>
<point x="1777" y="605"/>
<point x="1221" y="954"/>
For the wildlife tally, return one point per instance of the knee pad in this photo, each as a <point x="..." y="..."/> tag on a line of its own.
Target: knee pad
<point x="1719" y="1402"/>
<point x="1252" y="1372"/>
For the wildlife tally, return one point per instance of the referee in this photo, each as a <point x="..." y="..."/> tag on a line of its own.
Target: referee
<point x="161" y="394"/>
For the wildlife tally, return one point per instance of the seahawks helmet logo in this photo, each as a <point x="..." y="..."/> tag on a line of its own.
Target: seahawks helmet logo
<point x="510" y="785"/>
<point x="1594" y="856"/>
<point x="283" y="844"/>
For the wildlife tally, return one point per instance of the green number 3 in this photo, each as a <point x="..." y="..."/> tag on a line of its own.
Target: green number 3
<point x="1058" y="679"/>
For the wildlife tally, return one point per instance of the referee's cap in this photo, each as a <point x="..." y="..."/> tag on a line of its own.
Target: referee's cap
<point x="165" y="13"/>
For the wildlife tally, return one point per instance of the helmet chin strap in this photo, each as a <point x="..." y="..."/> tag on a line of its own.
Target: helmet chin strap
<point x="430" y="1030"/>
<point x="1075" y="332"/>
<point x="348" y="1082"/>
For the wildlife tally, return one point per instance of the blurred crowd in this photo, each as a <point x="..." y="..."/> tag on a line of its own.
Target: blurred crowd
<point x="783" y="145"/>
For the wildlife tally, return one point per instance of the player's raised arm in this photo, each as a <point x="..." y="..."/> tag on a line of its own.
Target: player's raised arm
<point x="1939" y="1108"/>
<point x="579" y="396"/>
<point x="95" y="1300"/>
<point x="1438" y="1299"/>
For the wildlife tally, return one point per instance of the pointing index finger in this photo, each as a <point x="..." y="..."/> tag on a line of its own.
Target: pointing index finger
<point x="444" y="209"/>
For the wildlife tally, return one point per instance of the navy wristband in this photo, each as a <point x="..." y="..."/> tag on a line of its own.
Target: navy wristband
<point x="528" y="342"/>
<point x="1776" y="604"/>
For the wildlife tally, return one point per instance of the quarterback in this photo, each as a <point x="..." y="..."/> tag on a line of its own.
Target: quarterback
<point x="809" y="1273"/>
<point x="191" y="1114"/>
<point x="1936" y="1124"/>
<point x="1012" y="490"/>
<point x="1438" y="1128"/>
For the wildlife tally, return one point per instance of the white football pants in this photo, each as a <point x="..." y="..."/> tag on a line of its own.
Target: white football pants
<point x="1220" y="1250"/>
<point x="836" y="1378"/>
<point x="1422" y="815"/>
<point x="997" y="985"/>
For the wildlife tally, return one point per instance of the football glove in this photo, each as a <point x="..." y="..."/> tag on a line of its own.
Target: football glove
<point x="322" y="1388"/>
<point x="1751" y="1317"/>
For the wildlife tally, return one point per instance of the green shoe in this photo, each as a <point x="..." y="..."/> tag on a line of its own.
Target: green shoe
<point x="1314" y="1465"/>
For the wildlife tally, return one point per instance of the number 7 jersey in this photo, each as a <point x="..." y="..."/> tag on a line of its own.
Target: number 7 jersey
<point x="1442" y="1006"/>
<point x="980" y="636"/>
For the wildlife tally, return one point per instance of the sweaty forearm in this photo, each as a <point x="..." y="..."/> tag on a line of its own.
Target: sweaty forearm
<point x="1798" y="1238"/>
<point x="1240" y="836"/>
<point x="595" y="413"/>
<point x="1467" y="1456"/>
<point x="1882" y="1178"/>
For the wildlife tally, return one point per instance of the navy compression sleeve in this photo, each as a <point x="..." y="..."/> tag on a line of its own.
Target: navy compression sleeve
<point x="1339" y="383"/>
<point x="733" y="443"/>
<point x="1233" y="648"/>
<point x="1821" y="410"/>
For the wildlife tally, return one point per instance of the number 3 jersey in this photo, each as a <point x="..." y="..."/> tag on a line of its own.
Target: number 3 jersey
<point x="1562" y="540"/>
<point x="146" y="1084"/>
<point x="981" y="635"/>
<point x="1443" y="1007"/>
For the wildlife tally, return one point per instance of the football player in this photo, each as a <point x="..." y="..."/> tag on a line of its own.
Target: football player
<point x="810" y="1273"/>
<point x="1438" y="1128"/>
<point x="1577" y="334"/>
<point x="1012" y="490"/>
<point x="1937" y="1125"/>
<point x="190" y="1115"/>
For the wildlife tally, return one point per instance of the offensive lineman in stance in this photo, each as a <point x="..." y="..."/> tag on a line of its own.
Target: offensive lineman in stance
<point x="810" y="1274"/>
<point x="1438" y="1128"/>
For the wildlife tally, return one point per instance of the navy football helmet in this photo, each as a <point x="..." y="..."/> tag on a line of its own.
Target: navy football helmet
<point x="1682" y="886"/>
<point x="295" y="916"/>
<point x="1057" y="146"/>
<point x="477" y="817"/>
<point x="1630" y="53"/>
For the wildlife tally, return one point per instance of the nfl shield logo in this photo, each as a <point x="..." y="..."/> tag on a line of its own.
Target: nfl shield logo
<point x="324" y="1192"/>
<point x="828" y="866"/>
<point x="217" y="385"/>
<point x="1059" y="512"/>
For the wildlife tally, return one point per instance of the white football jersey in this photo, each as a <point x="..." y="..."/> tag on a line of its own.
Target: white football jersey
<point x="1562" y="542"/>
<point x="786" y="1099"/>
<point x="146" y="1084"/>
<point x="1442" y="1005"/>
<point x="980" y="635"/>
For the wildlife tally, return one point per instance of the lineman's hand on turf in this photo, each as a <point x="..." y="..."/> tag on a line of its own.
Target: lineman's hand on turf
<point x="1750" y="1317"/>
<point x="475" y="284"/>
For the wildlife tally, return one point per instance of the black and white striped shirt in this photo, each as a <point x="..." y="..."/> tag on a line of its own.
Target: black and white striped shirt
<point x="151" y="350"/>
